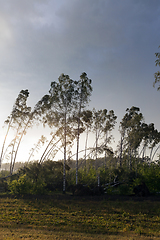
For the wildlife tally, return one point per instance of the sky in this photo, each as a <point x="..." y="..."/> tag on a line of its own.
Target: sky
<point x="113" y="41"/>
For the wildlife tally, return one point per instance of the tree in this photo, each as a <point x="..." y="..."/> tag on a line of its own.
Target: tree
<point x="58" y="108"/>
<point x="16" y="117"/>
<point x="50" y="147"/>
<point x="157" y="74"/>
<point x="151" y="137"/>
<point x="18" y="121"/>
<point x="109" y="126"/>
<point x="21" y="118"/>
<point x="83" y="93"/>
<point x="131" y="133"/>
<point x="87" y="119"/>
<point x="102" y="124"/>
<point x="37" y="146"/>
<point x="27" y="119"/>
<point x="99" y="118"/>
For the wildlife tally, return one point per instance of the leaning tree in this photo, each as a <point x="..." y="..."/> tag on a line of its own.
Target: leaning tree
<point x="57" y="109"/>
<point x="157" y="74"/>
<point x="21" y="118"/>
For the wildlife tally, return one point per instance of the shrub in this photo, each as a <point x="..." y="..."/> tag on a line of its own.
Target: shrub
<point x="20" y="186"/>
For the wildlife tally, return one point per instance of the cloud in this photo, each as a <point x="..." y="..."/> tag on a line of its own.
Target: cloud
<point x="48" y="38"/>
<point x="107" y="39"/>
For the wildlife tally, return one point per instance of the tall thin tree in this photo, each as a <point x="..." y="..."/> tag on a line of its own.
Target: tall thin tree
<point x="59" y="106"/>
<point x="83" y="93"/>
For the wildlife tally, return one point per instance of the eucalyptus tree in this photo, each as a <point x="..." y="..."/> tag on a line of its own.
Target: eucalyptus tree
<point x="58" y="108"/>
<point x="17" y="121"/>
<point x="156" y="142"/>
<point x="21" y="118"/>
<point x="99" y="118"/>
<point x="99" y="121"/>
<point x="14" y="117"/>
<point x="87" y="118"/>
<point x="83" y="93"/>
<point x="47" y="115"/>
<point x="41" y="141"/>
<point x="148" y="135"/>
<point x="152" y="154"/>
<point x="51" y="146"/>
<point x="28" y="117"/>
<point x="157" y="74"/>
<point x="108" y="127"/>
<point x="151" y="137"/>
<point x="131" y="132"/>
<point x="123" y="132"/>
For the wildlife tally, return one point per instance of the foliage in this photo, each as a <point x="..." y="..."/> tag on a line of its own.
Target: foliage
<point x="144" y="172"/>
<point x="136" y="135"/>
<point x="37" y="178"/>
<point x="3" y="181"/>
<point x="131" y="132"/>
<point x="150" y="174"/>
<point x="86" y="176"/>
<point x="47" y="177"/>
<point x="157" y="74"/>
<point x="20" y="186"/>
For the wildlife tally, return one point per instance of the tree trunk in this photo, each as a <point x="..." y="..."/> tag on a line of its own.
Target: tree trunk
<point x="64" y="163"/>
<point x="1" y="157"/>
<point x="85" y="154"/>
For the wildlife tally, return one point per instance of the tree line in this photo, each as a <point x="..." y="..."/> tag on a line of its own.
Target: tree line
<point x="64" y="110"/>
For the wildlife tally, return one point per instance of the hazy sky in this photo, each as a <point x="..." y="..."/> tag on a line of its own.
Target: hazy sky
<point x="113" y="41"/>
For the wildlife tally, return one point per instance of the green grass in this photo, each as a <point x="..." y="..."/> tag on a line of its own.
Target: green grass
<point x="78" y="218"/>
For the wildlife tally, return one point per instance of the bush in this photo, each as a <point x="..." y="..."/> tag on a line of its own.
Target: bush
<point x="26" y="186"/>
<point x="37" y="178"/>
<point x="20" y="186"/>
<point x="125" y="189"/>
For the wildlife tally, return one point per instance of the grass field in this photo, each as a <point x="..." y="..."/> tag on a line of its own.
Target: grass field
<point x="67" y="217"/>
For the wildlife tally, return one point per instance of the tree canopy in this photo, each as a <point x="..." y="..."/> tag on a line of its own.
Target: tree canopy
<point x="157" y="74"/>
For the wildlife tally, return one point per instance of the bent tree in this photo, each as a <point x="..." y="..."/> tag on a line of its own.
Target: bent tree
<point x="157" y="74"/>
<point x="61" y="109"/>
<point x="15" y="118"/>
<point x="20" y="119"/>
<point x="151" y="137"/>
<point x="37" y="146"/>
<point x="17" y="122"/>
<point x="109" y="126"/>
<point x="58" y="108"/>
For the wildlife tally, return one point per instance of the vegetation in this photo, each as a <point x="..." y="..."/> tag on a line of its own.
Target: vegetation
<point x="157" y="74"/>
<point x="47" y="178"/>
